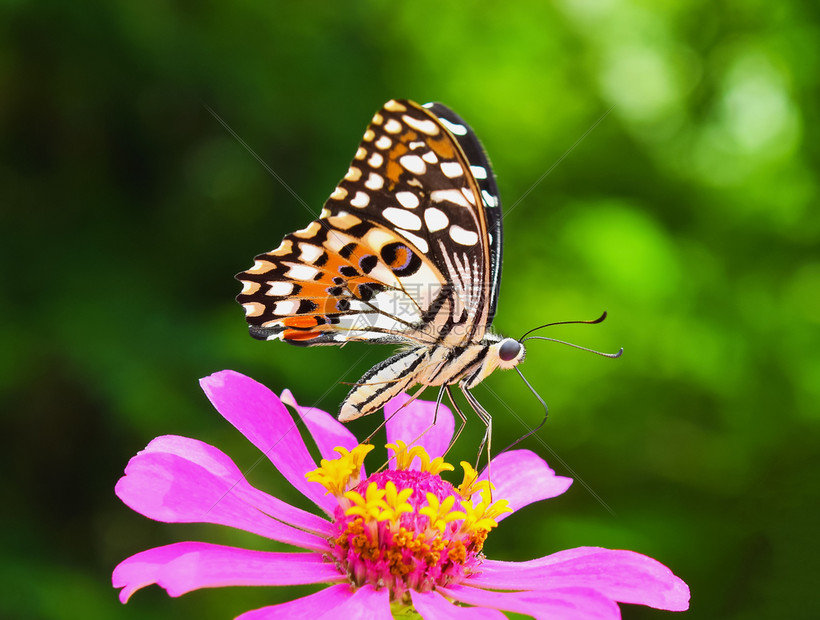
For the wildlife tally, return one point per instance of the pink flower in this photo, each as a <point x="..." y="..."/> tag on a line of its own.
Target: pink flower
<point x="401" y="537"/>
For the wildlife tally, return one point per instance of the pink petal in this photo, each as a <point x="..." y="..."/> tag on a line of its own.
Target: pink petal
<point x="326" y="430"/>
<point x="167" y="487"/>
<point x="187" y="566"/>
<point x="305" y="608"/>
<point x="623" y="576"/>
<point x="365" y="604"/>
<point x="555" y="604"/>
<point x="416" y="418"/>
<point x="433" y="606"/>
<point x="219" y="464"/>
<point x="522" y="477"/>
<point x="258" y="414"/>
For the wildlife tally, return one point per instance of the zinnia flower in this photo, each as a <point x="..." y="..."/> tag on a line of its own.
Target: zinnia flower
<point x="401" y="539"/>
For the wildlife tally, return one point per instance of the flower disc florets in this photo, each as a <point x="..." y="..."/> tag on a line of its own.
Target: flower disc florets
<point x="407" y="528"/>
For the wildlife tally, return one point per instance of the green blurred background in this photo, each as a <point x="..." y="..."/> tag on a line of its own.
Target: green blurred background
<point x="689" y="213"/>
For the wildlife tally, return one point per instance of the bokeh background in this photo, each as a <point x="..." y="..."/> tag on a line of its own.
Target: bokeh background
<point x="689" y="212"/>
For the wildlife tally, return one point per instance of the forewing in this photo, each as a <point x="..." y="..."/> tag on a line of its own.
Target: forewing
<point x="400" y="253"/>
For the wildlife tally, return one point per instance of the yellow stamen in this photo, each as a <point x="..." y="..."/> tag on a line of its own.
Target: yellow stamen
<point x="338" y="475"/>
<point x="357" y="455"/>
<point x="482" y="516"/>
<point x="471" y="484"/>
<point x="440" y="513"/>
<point x="368" y="507"/>
<point x="396" y="502"/>
<point x="435" y="466"/>
<point x="403" y="456"/>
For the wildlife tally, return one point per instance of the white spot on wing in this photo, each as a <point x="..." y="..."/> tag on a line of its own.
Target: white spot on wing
<point x="420" y="243"/>
<point x="424" y="126"/>
<point x="309" y="252"/>
<point x="407" y="199"/>
<point x="413" y="163"/>
<point x="374" y="181"/>
<point x="360" y="200"/>
<point x="479" y="172"/>
<point x="402" y="218"/>
<point x="375" y="160"/>
<point x="451" y="169"/>
<point x="383" y="143"/>
<point x="302" y="272"/>
<point x="435" y="219"/>
<point x="468" y="195"/>
<point x="394" y="106"/>
<point x="285" y="307"/>
<point x="462" y="236"/>
<point x="489" y="199"/>
<point x="430" y="157"/>
<point x="278" y="289"/>
<point x="392" y="126"/>
<point x="353" y="173"/>
<point x="459" y="130"/>
<point x="449" y="195"/>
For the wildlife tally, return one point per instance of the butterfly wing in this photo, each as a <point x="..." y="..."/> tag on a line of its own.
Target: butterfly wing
<point x="402" y="250"/>
<point x="482" y="171"/>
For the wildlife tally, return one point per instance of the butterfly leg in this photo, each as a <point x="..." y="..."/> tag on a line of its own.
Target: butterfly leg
<point x="384" y="423"/>
<point x="487" y="419"/>
<point x="461" y="415"/>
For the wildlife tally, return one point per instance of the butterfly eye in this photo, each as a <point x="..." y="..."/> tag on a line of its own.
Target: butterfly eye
<point x="509" y="349"/>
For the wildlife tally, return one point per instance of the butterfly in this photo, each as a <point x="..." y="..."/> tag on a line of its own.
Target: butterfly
<point x="407" y="251"/>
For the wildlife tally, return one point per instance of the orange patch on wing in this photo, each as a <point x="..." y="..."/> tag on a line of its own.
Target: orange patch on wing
<point x="300" y="322"/>
<point x="334" y="262"/>
<point x="394" y="169"/>
<point x="290" y="334"/>
<point x="442" y="147"/>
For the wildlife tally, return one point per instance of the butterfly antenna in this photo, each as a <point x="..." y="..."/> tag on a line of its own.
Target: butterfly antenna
<point x="577" y="346"/>
<point x="532" y="431"/>
<point x="600" y="319"/>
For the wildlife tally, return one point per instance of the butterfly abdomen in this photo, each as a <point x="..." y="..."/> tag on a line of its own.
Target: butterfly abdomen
<point x="382" y="382"/>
